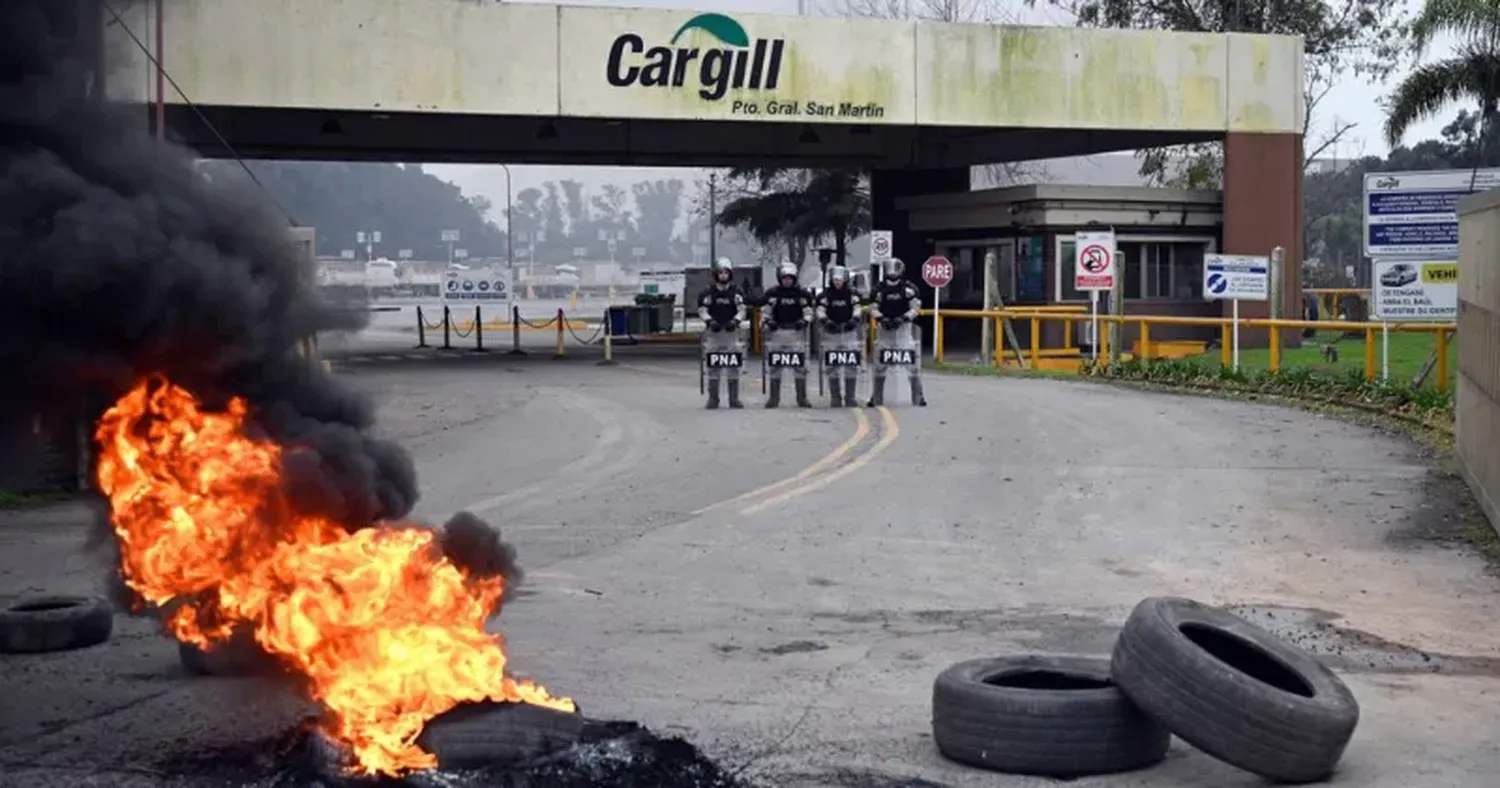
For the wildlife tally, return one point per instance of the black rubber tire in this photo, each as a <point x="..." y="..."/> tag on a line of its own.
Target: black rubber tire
<point x="1234" y="690"/>
<point x="1054" y="732"/>
<point x="55" y="623"/>
<point x="237" y="656"/>
<point x="488" y="734"/>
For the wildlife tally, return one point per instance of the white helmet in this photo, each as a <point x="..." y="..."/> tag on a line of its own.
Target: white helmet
<point x="786" y="269"/>
<point x="723" y="270"/>
<point x="894" y="268"/>
<point x="838" y="276"/>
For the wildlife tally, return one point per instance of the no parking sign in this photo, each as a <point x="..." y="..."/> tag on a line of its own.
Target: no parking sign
<point x="1094" y="261"/>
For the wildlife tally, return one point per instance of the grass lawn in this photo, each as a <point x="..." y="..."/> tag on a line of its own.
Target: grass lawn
<point x="1408" y="352"/>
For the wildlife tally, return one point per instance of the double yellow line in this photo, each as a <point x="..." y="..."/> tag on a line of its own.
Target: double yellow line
<point x="817" y="476"/>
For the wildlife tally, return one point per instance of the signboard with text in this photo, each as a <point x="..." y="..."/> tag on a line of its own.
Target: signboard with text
<point x="881" y="246"/>
<point x="483" y="286"/>
<point x="937" y="272"/>
<point x="1421" y="291"/>
<point x="1411" y="214"/>
<point x="1236" y="277"/>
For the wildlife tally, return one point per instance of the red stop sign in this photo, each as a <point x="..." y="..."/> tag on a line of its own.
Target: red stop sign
<point x="937" y="271"/>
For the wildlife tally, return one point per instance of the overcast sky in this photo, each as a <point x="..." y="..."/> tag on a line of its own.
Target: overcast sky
<point x="1352" y="101"/>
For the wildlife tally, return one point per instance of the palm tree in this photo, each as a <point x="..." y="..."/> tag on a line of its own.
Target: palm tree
<point x="1472" y="73"/>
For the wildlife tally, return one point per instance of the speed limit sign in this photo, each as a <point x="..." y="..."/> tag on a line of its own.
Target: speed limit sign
<point x="880" y="246"/>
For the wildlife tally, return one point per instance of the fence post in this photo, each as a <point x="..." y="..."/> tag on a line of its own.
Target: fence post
<point x="478" y="329"/>
<point x="1145" y="340"/>
<point x="447" y="327"/>
<point x="1278" y="300"/>
<point x="1442" y="359"/>
<point x="1369" y="354"/>
<point x="1226" y="345"/>
<point x="937" y="337"/>
<point x="560" y="329"/>
<point x="609" y="342"/>
<point x="1275" y="364"/>
<point x="421" y="328"/>
<point x="515" y="331"/>
<point x="1035" y="347"/>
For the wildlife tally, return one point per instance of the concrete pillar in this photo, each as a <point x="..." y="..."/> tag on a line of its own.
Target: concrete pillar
<point x="886" y="186"/>
<point x="1263" y="210"/>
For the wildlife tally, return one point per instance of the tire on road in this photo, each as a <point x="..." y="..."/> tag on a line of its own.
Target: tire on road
<point x="1051" y="716"/>
<point x="237" y="656"/>
<point x="1234" y="690"/>
<point x="55" y="623"/>
<point x="488" y="734"/>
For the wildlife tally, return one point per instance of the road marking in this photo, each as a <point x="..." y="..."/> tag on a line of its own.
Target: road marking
<point x="861" y="429"/>
<point x="612" y="433"/>
<point x="890" y="430"/>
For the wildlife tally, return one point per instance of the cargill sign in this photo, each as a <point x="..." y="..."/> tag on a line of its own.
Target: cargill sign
<point x="716" y="58"/>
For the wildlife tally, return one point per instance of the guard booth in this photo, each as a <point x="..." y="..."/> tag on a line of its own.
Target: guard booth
<point x="1162" y="237"/>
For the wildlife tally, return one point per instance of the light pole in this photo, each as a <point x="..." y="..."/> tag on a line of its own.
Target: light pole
<point x="510" y="225"/>
<point x="369" y="239"/>
<point x="713" y="218"/>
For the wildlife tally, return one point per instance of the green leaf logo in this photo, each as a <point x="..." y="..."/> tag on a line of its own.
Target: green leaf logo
<point x="718" y="26"/>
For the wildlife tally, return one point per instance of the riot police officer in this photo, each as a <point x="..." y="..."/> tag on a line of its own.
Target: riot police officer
<point x="896" y="302"/>
<point x="838" y="309"/>
<point x="721" y="306"/>
<point x="785" y="316"/>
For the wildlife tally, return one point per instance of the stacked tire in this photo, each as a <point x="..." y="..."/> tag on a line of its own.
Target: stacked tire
<point x="1179" y="667"/>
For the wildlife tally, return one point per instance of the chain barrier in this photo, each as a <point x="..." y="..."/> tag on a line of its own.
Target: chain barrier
<point x="465" y="334"/>
<point x="592" y="340"/>
<point x="430" y="326"/>
<point x="545" y="323"/>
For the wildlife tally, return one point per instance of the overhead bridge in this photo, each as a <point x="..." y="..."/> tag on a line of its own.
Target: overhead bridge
<point x="439" y="80"/>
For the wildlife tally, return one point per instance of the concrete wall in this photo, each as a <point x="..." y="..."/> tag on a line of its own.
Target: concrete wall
<point x="1478" y="408"/>
<point x="524" y="59"/>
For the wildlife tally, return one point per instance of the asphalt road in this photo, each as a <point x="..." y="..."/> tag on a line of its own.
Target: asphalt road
<point x="798" y="628"/>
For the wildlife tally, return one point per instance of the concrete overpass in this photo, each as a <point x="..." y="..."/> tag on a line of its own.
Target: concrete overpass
<point x="915" y="102"/>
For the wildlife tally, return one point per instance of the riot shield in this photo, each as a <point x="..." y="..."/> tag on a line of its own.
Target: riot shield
<point x="840" y="350"/>
<point x="722" y="353"/>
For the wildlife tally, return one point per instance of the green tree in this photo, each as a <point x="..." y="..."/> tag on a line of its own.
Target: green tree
<point x="801" y="207"/>
<point x="658" y="206"/>
<point x="1471" y="74"/>
<point x="409" y="207"/>
<point x="1341" y="37"/>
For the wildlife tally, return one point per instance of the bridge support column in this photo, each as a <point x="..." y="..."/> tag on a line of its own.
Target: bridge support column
<point x="1263" y="210"/>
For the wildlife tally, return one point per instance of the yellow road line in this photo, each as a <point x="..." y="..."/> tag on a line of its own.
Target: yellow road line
<point x="861" y="429"/>
<point x="890" y="430"/>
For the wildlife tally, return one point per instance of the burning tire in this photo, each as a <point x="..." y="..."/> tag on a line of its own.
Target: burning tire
<point x="1052" y="716"/>
<point x="505" y="733"/>
<point x="1234" y="690"/>
<point x="237" y="656"/>
<point x="55" y="623"/>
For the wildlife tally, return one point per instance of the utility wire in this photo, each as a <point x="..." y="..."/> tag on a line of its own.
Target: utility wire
<point x="141" y="45"/>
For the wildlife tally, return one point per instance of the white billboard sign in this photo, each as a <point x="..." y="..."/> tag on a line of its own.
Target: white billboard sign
<point x="1415" y="214"/>
<point x="665" y="282"/>
<point x="484" y="286"/>
<point x="1236" y="277"/>
<point x="1406" y="291"/>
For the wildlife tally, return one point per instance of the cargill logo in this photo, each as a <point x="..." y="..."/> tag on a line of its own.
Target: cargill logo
<point x="738" y="63"/>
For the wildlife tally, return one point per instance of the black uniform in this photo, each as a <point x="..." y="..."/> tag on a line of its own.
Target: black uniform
<point x="786" y="313"/>
<point x="840" y="307"/>
<point x="786" y="307"/>
<point x="722" y="306"/>
<point x="893" y="301"/>
<point x="896" y="303"/>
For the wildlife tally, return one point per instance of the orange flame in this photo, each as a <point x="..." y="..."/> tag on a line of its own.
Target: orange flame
<point x="388" y="632"/>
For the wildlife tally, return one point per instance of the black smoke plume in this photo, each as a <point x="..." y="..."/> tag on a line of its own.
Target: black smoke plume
<point x="119" y="260"/>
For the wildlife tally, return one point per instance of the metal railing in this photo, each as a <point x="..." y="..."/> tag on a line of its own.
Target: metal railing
<point x="1374" y="364"/>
